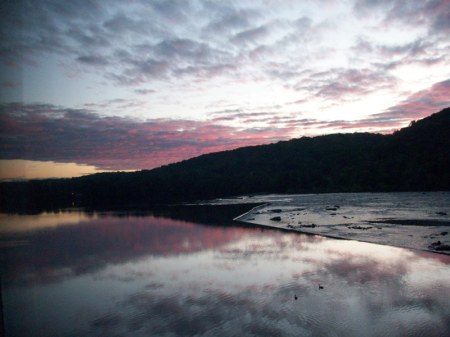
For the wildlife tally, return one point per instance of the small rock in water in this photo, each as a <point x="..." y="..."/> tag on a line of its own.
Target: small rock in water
<point x="444" y="233"/>
<point x="439" y="246"/>
<point x="276" y="218"/>
<point x="359" y="227"/>
<point x="309" y="226"/>
<point x="441" y="213"/>
<point x="277" y="210"/>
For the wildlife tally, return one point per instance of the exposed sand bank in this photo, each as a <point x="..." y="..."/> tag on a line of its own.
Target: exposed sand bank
<point x="431" y="236"/>
<point x="412" y="220"/>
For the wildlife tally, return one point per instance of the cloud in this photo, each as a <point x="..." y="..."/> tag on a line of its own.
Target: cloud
<point x="228" y="19"/>
<point x="420" y="104"/>
<point x="355" y="81"/>
<point x="120" y="23"/>
<point x="389" y="57"/>
<point x="432" y="14"/>
<point x="150" y="41"/>
<point x="183" y="48"/>
<point x="208" y="49"/>
<point x="336" y="84"/>
<point x="250" y="35"/>
<point x="47" y="132"/>
<point x="94" y="60"/>
<point x="417" y="106"/>
<point x="239" y="115"/>
<point x="144" y="91"/>
<point x="130" y="47"/>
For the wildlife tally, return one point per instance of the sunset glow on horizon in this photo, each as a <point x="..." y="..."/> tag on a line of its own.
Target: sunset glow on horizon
<point x="89" y="86"/>
<point x="19" y="169"/>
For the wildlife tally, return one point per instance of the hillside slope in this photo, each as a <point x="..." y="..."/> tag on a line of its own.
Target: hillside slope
<point x="414" y="158"/>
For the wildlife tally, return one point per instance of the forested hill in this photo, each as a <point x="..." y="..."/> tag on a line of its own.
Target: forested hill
<point x="412" y="159"/>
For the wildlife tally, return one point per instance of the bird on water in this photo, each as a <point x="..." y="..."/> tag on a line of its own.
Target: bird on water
<point x="320" y="287"/>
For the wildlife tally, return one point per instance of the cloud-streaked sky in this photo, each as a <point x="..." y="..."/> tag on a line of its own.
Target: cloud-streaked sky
<point x="138" y="84"/>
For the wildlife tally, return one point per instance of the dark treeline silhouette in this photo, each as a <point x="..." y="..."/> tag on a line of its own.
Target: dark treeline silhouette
<point x="416" y="158"/>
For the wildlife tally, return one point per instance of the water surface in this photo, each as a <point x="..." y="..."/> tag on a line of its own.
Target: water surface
<point x="145" y="274"/>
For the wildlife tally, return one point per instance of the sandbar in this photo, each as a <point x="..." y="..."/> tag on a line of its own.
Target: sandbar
<point x="416" y="220"/>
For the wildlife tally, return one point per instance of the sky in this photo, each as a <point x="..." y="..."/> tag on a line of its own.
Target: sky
<point x="88" y="86"/>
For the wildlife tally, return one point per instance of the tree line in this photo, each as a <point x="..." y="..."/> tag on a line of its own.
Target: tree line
<point x="416" y="158"/>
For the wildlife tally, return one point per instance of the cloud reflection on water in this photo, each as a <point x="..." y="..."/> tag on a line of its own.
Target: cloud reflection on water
<point x="94" y="243"/>
<point x="349" y="309"/>
<point x="369" y="290"/>
<point x="145" y="275"/>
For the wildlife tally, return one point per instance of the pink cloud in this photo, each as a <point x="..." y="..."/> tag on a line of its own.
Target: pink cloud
<point x="422" y="103"/>
<point x="45" y="132"/>
<point x="419" y="105"/>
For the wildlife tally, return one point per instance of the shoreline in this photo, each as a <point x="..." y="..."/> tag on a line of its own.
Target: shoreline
<point x="431" y="235"/>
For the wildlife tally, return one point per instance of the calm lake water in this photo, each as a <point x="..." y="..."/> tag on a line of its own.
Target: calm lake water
<point x="193" y="273"/>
